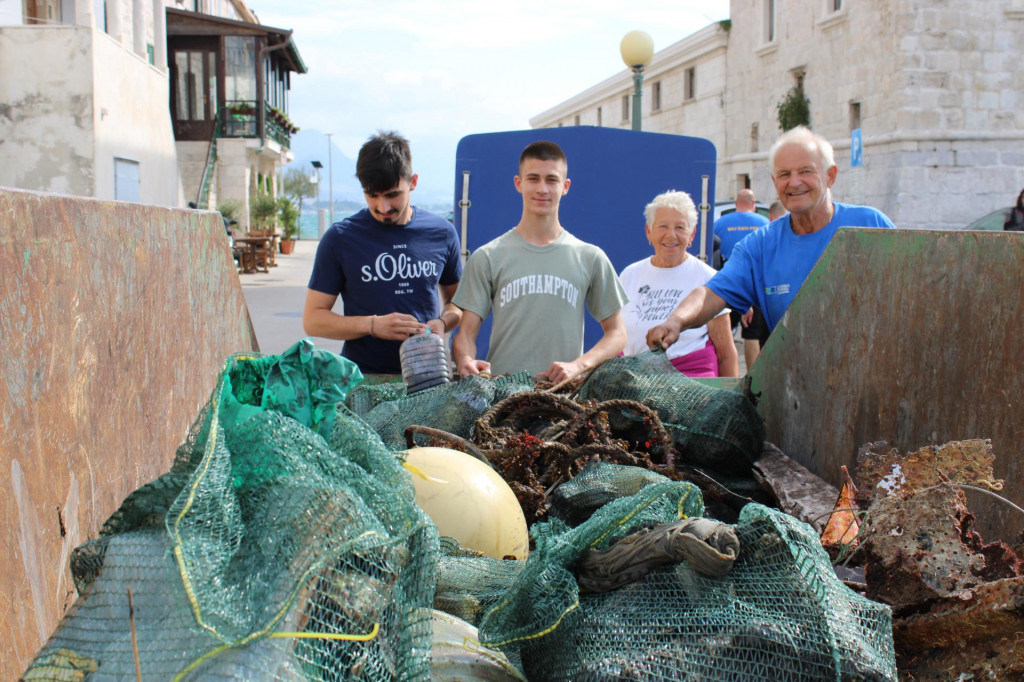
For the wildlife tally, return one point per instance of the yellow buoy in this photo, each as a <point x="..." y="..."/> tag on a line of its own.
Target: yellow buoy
<point x="469" y="501"/>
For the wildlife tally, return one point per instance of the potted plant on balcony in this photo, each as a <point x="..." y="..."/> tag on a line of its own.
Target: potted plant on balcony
<point x="241" y="110"/>
<point x="288" y="215"/>
<point x="278" y="116"/>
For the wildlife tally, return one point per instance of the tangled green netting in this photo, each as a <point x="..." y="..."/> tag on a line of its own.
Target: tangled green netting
<point x="452" y="407"/>
<point x="780" y="614"/>
<point x="711" y="427"/>
<point x="284" y="543"/>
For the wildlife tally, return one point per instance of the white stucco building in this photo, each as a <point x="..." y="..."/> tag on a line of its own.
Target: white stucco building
<point x="936" y="88"/>
<point x="85" y="109"/>
<point x="159" y="101"/>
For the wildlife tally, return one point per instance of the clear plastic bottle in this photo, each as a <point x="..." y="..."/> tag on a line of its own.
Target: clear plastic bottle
<point x="425" y="361"/>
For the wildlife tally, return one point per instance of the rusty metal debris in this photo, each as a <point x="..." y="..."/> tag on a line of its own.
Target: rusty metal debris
<point x="918" y="535"/>
<point x="794" y="489"/>
<point x="538" y="439"/>
<point x="980" y="633"/>
<point x="958" y="603"/>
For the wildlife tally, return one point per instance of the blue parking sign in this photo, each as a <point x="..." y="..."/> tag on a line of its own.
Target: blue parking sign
<point x="856" y="149"/>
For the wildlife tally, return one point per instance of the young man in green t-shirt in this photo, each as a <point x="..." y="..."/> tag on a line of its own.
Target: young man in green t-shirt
<point x="535" y="280"/>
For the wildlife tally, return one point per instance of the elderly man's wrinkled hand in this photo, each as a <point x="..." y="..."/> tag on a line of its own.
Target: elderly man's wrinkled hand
<point x="662" y="335"/>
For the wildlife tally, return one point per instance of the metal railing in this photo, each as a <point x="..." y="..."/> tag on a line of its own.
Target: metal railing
<point x="203" y="196"/>
<point x="239" y="119"/>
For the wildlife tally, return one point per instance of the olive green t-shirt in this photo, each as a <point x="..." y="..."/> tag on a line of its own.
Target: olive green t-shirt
<point x="537" y="295"/>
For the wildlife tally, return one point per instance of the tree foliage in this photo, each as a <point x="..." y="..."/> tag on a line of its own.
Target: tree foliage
<point x="230" y="208"/>
<point x="262" y="210"/>
<point x="288" y="215"/>
<point x="794" y="109"/>
<point x="298" y="185"/>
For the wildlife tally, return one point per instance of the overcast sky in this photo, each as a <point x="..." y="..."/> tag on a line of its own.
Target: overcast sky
<point x="438" y="70"/>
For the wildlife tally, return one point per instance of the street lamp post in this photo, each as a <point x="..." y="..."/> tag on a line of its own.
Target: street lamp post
<point x="330" y="175"/>
<point x="314" y="177"/>
<point x="637" y="50"/>
<point x="321" y="215"/>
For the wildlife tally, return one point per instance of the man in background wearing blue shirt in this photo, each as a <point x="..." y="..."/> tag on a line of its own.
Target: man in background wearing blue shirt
<point x="768" y="267"/>
<point x="732" y="227"/>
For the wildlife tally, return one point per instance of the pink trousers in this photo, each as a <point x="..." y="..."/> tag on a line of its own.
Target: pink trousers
<point x="699" y="363"/>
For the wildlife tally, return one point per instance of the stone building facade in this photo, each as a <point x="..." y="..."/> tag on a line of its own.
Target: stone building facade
<point x="118" y="99"/>
<point x="936" y="88"/>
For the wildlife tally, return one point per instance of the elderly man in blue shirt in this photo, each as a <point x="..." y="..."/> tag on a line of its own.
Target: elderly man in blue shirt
<point x="770" y="265"/>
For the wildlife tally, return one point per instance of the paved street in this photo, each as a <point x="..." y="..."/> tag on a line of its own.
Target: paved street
<point x="275" y="300"/>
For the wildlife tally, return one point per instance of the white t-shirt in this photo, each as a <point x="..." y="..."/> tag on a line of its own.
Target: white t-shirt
<point x="653" y="294"/>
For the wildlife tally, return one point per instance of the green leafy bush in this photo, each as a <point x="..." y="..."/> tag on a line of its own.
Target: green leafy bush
<point x="794" y="109"/>
<point x="262" y="210"/>
<point x="230" y="208"/>
<point x="288" y="216"/>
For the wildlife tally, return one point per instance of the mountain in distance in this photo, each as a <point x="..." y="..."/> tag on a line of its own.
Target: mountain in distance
<point x="312" y="145"/>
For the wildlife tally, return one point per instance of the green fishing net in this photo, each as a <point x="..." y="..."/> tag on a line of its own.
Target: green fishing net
<point x="711" y="428"/>
<point x="469" y="583"/>
<point x="452" y="407"/>
<point x="780" y="614"/>
<point x="284" y="543"/>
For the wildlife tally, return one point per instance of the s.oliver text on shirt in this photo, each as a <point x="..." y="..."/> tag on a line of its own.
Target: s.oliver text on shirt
<point x="388" y="267"/>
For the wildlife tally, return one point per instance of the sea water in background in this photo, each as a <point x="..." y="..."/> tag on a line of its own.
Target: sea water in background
<point x="308" y="225"/>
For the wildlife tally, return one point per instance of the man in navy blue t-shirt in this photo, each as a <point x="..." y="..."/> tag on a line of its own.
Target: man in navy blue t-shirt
<point x="769" y="266"/>
<point x="387" y="262"/>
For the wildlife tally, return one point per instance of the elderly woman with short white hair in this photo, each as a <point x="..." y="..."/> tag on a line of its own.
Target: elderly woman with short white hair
<point x="656" y="285"/>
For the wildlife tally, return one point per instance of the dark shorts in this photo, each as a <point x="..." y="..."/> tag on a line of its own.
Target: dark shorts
<point x="734" y="318"/>
<point x="757" y="329"/>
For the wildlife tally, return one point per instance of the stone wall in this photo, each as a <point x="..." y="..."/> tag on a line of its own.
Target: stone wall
<point x="73" y="101"/>
<point x="939" y="86"/>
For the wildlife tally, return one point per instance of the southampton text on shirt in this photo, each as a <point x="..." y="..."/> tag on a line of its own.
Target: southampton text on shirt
<point x="538" y="284"/>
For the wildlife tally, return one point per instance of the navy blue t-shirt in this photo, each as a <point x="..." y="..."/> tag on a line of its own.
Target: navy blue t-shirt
<point x="379" y="269"/>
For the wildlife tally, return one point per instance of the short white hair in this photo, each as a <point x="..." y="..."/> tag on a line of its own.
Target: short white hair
<point x="803" y="135"/>
<point x="676" y="200"/>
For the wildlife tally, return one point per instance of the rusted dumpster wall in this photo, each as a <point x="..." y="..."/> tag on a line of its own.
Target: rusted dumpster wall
<point x="114" y="321"/>
<point x="909" y="336"/>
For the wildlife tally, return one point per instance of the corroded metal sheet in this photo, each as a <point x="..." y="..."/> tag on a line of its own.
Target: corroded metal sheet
<point x="115" y="319"/>
<point x="918" y="539"/>
<point x="976" y="634"/>
<point x="908" y="336"/>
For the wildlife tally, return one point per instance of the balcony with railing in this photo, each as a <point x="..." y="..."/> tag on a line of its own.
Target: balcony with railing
<point x="239" y="119"/>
